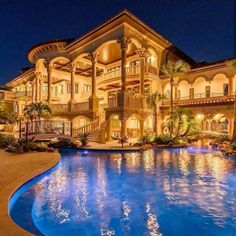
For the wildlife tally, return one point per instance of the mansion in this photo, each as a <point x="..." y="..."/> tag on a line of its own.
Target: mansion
<point x="99" y="81"/>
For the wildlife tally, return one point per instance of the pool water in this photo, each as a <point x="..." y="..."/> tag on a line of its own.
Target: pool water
<point x="156" y="192"/>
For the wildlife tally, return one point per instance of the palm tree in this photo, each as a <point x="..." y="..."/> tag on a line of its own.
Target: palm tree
<point x="35" y="111"/>
<point x="152" y="101"/>
<point x="232" y="64"/>
<point x="174" y="69"/>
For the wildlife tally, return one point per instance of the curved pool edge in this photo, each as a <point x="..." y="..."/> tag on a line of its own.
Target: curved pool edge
<point x="8" y="226"/>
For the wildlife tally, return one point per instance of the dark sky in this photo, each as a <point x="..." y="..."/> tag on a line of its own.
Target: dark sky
<point x="204" y="29"/>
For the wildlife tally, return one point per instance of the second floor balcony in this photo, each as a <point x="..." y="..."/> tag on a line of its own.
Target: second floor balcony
<point x="64" y="108"/>
<point x="201" y="99"/>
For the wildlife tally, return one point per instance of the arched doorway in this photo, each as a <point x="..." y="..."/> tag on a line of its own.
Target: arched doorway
<point x="115" y="125"/>
<point x="133" y="127"/>
<point x="148" y="125"/>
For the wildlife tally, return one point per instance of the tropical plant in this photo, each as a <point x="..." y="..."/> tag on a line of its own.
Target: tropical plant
<point x="6" y="140"/>
<point x="180" y="124"/>
<point x="6" y="114"/>
<point x="146" y="139"/>
<point x="83" y="138"/>
<point x="174" y="69"/>
<point x="152" y="101"/>
<point x="163" y="139"/>
<point x="34" y="112"/>
<point x="120" y="139"/>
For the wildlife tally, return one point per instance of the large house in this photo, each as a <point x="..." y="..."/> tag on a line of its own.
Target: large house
<point x="98" y="82"/>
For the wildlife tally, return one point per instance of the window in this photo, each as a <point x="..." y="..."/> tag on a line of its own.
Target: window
<point x="68" y="88"/>
<point x="225" y="89"/>
<point x="62" y="89"/>
<point x="191" y="93"/>
<point x="178" y="94"/>
<point x="208" y="91"/>
<point x="76" y="88"/>
<point x="86" y="87"/>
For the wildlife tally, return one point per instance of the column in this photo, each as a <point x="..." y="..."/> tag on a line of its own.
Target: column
<point x="141" y="128"/>
<point x="40" y="90"/>
<point x="108" y="129"/>
<point x="37" y="74"/>
<point x="93" y="100"/>
<point x="231" y="86"/>
<point x="33" y="91"/>
<point x="123" y="96"/>
<point x="124" y="42"/>
<point x="123" y="128"/>
<point x="143" y="53"/>
<point x="72" y="82"/>
<point x="49" y="67"/>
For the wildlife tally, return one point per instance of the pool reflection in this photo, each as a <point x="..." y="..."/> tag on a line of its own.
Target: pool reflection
<point x="155" y="192"/>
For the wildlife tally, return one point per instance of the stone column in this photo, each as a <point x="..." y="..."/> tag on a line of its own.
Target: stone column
<point x="231" y="92"/>
<point x="37" y="74"/>
<point x="123" y="96"/>
<point x="108" y="129"/>
<point x="124" y="42"/>
<point x="49" y="67"/>
<point x="141" y="128"/>
<point x="72" y="84"/>
<point x="40" y="90"/>
<point x="123" y="128"/>
<point x="33" y="91"/>
<point x="143" y="53"/>
<point x="93" y="100"/>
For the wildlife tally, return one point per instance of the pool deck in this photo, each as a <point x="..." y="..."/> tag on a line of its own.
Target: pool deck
<point x="16" y="169"/>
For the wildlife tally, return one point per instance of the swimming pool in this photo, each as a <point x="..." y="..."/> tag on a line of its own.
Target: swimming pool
<point x="155" y="192"/>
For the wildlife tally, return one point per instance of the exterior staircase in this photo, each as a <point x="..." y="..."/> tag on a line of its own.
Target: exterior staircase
<point x="93" y="136"/>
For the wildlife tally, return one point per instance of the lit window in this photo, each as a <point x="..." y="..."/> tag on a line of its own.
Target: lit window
<point x="86" y="87"/>
<point x="76" y="88"/>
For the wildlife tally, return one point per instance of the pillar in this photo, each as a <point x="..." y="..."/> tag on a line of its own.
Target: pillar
<point x="124" y="42"/>
<point x="49" y="67"/>
<point x="123" y="128"/>
<point x="72" y="84"/>
<point x="37" y="86"/>
<point x="231" y="92"/>
<point x="93" y="100"/>
<point x="141" y="123"/>
<point x="40" y="90"/>
<point x="143" y="53"/>
<point x="108" y="129"/>
<point x="33" y="91"/>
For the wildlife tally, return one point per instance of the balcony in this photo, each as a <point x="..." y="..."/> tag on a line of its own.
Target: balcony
<point x="202" y="99"/>
<point x="131" y="71"/>
<point x="131" y="102"/>
<point x="64" y="108"/>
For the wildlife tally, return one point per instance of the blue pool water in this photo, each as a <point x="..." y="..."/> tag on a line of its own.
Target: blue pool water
<point x="156" y="192"/>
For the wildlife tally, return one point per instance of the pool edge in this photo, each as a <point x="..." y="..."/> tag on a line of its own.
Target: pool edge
<point x="8" y="226"/>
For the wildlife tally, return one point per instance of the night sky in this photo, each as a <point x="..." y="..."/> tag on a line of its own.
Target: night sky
<point x="203" y="29"/>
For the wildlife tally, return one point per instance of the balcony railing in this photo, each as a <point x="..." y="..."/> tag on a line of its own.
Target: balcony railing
<point x="130" y="70"/>
<point x="201" y="98"/>
<point x="82" y="106"/>
<point x="132" y="102"/>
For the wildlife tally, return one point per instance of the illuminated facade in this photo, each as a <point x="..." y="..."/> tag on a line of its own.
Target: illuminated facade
<point x="99" y="81"/>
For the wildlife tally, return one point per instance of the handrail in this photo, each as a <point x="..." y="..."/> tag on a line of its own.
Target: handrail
<point x="94" y="125"/>
<point x="130" y="70"/>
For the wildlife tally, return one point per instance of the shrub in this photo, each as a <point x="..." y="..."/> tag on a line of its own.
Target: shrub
<point x="120" y="140"/>
<point x="222" y="138"/>
<point x="163" y="139"/>
<point x="233" y="145"/>
<point x="83" y="138"/>
<point x="146" y="139"/>
<point x="6" y="140"/>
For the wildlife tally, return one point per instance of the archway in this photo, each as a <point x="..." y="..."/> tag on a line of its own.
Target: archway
<point x="148" y="125"/>
<point x="115" y="126"/>
<point x="80" y="121"/>
<point x="133" y="127"/>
